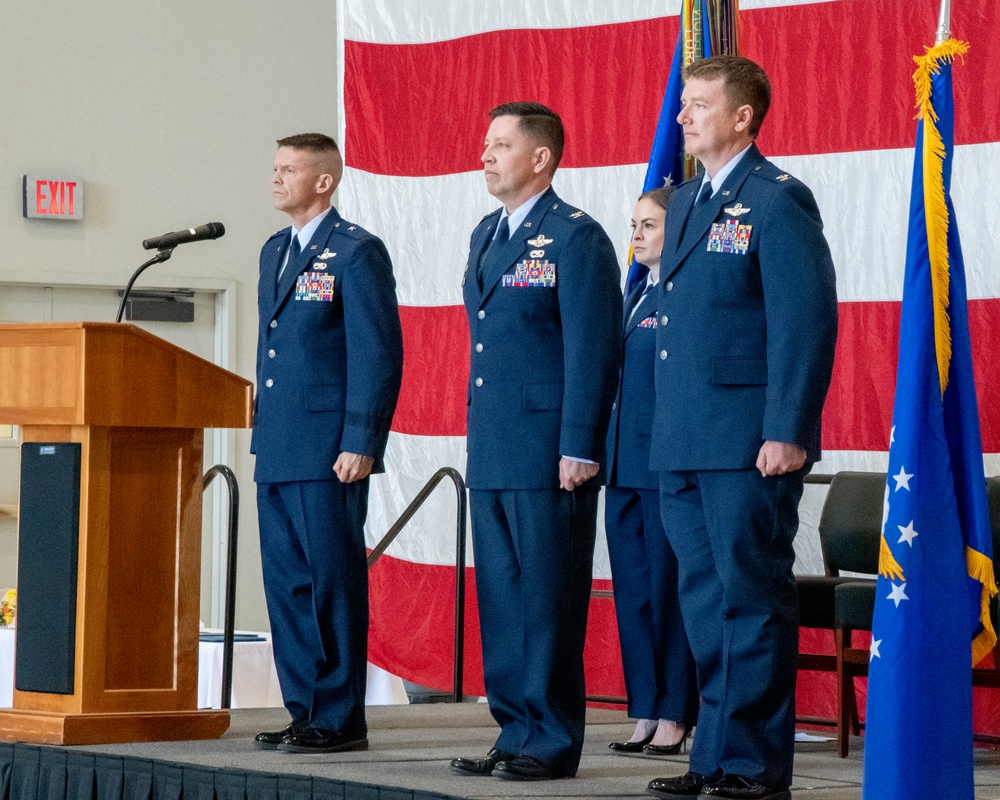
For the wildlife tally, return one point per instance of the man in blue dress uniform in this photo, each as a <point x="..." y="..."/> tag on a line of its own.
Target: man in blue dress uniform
<point x="541" y="292"/>
<point x="329" y="366"/>
<point x="745" y="344"/>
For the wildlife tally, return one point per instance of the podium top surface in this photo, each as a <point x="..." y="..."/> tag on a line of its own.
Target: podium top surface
<point x="115" y="375"/>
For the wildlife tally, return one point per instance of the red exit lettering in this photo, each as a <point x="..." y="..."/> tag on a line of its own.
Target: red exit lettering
<point x="55" y="197"/>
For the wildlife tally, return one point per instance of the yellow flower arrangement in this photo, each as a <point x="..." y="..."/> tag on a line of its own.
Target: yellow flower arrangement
<point x="8" y="608"/>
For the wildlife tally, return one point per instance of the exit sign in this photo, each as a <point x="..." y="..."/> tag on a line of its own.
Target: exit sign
<point x="52" y="198"/>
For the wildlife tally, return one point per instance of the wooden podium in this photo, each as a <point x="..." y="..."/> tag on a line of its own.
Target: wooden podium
<point x="136" y="407"/>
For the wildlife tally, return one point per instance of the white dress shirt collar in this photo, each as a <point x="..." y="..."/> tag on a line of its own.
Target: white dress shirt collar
<point x="722" y="174"/>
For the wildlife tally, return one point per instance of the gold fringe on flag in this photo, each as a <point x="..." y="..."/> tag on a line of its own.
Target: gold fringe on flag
<point x="981" y="569"/>
<point x="979" y="566"/>
<point x="935" y="208"/>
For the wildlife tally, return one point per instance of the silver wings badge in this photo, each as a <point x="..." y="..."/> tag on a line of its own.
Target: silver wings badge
<point x="736" y="211"/>
<point x="539" y="241"/>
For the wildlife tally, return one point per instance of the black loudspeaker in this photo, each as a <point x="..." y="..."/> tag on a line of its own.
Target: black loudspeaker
<point x="49" y="530"/>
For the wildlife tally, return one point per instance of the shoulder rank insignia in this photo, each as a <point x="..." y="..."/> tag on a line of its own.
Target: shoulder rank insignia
<point x="576" y="214"/>
<point x="784" y="176"/>
<point x="326" y="254"/>
<point x="736" y="211"/>
<point x="353" y="228"/>
<point x="539" y="241"/>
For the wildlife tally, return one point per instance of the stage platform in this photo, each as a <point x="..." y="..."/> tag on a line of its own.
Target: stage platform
<point x="408" y="760"/>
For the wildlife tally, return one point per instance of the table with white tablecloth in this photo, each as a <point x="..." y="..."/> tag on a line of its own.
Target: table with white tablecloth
<point x="255" y="682"/>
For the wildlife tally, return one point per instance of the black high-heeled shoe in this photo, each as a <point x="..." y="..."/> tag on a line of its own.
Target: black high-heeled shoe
<point x="632" y="747"/>
<point x="669" y="749"/>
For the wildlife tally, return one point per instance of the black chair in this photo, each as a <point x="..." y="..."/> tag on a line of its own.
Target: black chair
<point x="854" y="607"/>
<point x="850" y="528"/>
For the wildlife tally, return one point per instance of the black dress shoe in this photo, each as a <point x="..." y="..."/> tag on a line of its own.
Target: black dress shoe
<point x="321" y="740"/>
<point x="736" y="787"/>
<point x="269" y="740"/>
<point x="668" y="749"/>
<point x="687" y="785"/>
<point x="480" y="766"/>
<point x="631" y="747"/>
<point x="525" y="768"/>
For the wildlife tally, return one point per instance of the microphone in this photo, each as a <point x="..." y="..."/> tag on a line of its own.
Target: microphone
<point x="211" y="230"/>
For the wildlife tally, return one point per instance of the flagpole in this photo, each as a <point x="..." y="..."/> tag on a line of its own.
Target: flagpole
<point x="944" y="22"/>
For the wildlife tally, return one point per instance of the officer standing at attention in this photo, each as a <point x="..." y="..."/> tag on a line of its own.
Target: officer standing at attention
<point x="329" y="366"/>
<point x="545" y="312"/>
<point x="745" y="345"/>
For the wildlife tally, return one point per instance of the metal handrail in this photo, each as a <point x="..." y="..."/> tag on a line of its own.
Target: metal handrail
<point x="230" y="616"/>
<point x="399" y="524"/>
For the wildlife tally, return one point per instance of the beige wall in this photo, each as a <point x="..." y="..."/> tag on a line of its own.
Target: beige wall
<point x="168" y="111"/>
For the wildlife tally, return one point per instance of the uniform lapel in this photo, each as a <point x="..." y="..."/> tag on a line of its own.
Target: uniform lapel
<point x="500" y="259"/>
<point x="272" y="259"/>
<point x="646" y="305"/>
<point x="295" y="266"/>
<point x="700" y="218"/>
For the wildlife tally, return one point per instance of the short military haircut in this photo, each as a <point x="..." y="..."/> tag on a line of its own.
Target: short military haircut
<point x="326" y="154"/>
<point x="538" y="123"/>
<point x="745" y="83"/>
<point x="316" y="142"/>
<point x="660" y="196"/>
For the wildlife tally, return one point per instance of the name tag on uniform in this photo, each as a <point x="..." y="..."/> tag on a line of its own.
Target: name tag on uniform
<point x="532" y="272"/>
<point x="649" y="322"/>
<point x="729" y="237"/>
<point x="314" y="286"/>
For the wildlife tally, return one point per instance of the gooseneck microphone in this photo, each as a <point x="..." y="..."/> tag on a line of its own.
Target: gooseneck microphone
<point x="211" y="230"/>
<point x="165" y="245"/>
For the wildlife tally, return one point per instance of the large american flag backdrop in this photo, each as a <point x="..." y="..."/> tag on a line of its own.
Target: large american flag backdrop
<point x="418" y="81"/>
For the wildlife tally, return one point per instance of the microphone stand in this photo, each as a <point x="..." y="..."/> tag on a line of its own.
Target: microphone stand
<point x="161" y="256"/>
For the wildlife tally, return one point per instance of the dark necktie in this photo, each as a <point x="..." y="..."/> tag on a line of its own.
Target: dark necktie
<point x="294" y="248"/>
<point x="638" y="301"/>
<point x="706" y="194"/>
<point x="502" y="235"/>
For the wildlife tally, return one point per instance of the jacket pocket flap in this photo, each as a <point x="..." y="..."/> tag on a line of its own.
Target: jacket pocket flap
<point x="740" y="371"/>
<point x="328" y="397"/>
<point x="543" y="396"/>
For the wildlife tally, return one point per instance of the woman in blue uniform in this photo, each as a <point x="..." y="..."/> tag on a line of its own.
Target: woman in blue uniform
<point x="659" y="669"/>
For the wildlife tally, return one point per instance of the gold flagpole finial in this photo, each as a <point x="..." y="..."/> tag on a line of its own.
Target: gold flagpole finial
<point x="944" y="22"/>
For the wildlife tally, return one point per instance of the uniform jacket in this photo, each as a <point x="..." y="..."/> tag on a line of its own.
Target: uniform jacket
<point x="631" y="423"/>
<point x="329" y="353"/>
<point x="546" y="337"/>
<point x="747" y="321"/>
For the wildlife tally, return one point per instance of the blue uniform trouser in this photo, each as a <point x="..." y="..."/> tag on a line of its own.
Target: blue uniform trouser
<point x="659" y="669"/>
<point x="316" y="591"/>
<point x="534" y="552"/>
<point x="732" y="531"/>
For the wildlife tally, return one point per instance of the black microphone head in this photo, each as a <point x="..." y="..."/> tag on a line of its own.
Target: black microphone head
<point x="210" y="230"/>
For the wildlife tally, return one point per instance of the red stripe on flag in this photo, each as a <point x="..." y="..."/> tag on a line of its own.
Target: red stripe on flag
<point x="432" y="399"/>
<point x="420" y="109"/>
<point x="858" y="411"/>
<point x="412" y="629"/>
